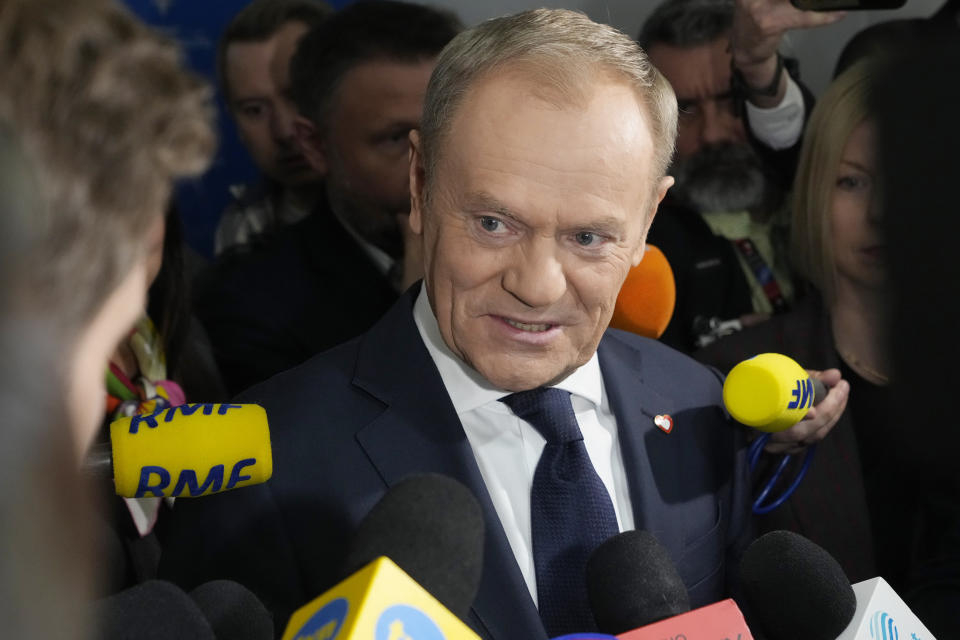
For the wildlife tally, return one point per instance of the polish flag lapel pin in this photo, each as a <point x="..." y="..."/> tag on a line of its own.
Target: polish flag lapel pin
<point x="664" y="422"/>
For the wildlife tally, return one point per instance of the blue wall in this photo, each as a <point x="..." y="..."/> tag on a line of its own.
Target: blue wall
<point x="197" y="24"/>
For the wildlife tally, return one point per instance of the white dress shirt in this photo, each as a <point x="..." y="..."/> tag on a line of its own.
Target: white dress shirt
<point x="507" y="448"/>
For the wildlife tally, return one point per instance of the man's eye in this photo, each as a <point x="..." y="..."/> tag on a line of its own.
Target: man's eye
<point x="688" y="109"/>
<point x="393" y="139"/>
<point x="491" y="225"/>
<point x="252" y="111"/>
<point x="587" y="239"/>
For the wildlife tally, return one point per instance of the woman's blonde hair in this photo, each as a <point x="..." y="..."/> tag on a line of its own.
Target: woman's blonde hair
<point x="843" y="107"/>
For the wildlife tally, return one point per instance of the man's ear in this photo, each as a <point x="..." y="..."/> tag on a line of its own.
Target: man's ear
<point x="417" y="178"/>
<point x="658" y="194"/>
<point x="310" y="143"/>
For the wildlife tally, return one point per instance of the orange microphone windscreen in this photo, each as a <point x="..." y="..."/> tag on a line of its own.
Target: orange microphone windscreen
<point x="647" y="297"/>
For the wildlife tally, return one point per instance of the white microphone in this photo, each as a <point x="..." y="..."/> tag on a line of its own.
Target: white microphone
<point x="882" y="615"/>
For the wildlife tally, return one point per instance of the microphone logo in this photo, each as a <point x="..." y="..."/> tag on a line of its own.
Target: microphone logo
<point x="802" y="395"/>
<point x="325" y="624"/>
<point x="403" y="622"/>
<point x="882" y="627"/>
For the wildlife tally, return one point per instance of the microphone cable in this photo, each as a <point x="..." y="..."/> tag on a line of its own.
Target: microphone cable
<point x="753" y="458"/>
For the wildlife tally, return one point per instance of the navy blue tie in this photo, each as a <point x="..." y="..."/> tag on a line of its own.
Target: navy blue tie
<point x="571" y="511"/>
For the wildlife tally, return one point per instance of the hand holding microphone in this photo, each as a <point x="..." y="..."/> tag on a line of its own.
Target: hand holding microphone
<point x="772" y="393"/>
<point x="819" y="420"/>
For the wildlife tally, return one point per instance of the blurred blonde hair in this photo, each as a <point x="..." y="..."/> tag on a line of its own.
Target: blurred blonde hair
<point x="108" y="118"/>
<point x="98" y="118"/>
<point x="841" y="109"/>
<point x="46" y="547"/>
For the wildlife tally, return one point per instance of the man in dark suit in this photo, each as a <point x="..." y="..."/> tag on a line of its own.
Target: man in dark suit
<point x="358" y="81"/>
<point x="534" y="177"/>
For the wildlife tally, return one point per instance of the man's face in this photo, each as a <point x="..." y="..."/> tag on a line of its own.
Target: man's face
<point x="536" y="213"/>
<point x="258" y="79"/>
<point x="700" y="77"/>
<point x="715" y="167"/>
<point x="365" y="146"/>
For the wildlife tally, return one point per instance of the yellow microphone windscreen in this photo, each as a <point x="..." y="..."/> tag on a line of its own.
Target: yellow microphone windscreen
<point x="191" y="450"/>
<point x="769" y="392"/>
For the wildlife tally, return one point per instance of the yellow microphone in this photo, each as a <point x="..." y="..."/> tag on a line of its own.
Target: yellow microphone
<point x="378" y="601"/>
<point x="770" y="392"/>
<point x="187" y="451"/>
<point x="646" y="299"/>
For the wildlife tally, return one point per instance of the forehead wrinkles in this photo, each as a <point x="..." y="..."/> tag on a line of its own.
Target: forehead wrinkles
<point x="594" y="150"/>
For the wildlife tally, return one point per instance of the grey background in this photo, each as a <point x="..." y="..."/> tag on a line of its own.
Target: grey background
<point x="816" y="49"/>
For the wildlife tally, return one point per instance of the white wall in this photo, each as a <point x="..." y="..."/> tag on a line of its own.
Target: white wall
<point x="816" y="49"/>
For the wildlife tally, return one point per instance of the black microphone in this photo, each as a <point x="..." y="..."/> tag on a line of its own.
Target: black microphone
<point x="632" y="582"/>
<point x="795" y="589"/>
<point x="152" y="610"/>
<point x="799" y="591"/>
<point x="637" y="593"/>
<point x="432" y="527"/>
<point x="233" y="611"/>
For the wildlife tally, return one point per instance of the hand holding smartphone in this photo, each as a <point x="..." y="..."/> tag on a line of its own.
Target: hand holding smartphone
<point x="847" y="5"/>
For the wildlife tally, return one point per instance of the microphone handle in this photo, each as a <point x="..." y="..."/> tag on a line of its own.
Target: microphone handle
<point x="819" y="391"/>
<point x="98" y="462"/>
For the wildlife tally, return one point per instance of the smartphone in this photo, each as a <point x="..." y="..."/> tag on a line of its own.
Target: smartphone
<point x="847" y="5"/>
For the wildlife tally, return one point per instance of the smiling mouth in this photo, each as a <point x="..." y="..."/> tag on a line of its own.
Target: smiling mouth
<point x="523" y="326"/>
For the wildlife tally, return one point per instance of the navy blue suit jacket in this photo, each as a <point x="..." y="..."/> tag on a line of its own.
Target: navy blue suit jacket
<point x="353" y="421"/>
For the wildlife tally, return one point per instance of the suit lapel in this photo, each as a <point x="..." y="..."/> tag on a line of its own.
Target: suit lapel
<point x="635" y="402"/>
<point x="419" y="431"/>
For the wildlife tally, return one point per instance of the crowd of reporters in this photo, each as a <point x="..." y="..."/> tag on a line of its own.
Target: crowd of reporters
<point x="823" y="233"/>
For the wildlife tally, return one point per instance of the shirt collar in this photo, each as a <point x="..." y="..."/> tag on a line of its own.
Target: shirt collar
<point x="380" y="258"/>
<point x="469" y="390"/>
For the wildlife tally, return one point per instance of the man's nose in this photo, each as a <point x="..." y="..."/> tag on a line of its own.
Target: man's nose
<point x="282" y="123"/>
<point x="719" y="125"/>
<point x="535" y="276"/>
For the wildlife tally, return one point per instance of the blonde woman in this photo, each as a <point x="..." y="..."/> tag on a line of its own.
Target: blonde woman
<point x="848" y="498"/>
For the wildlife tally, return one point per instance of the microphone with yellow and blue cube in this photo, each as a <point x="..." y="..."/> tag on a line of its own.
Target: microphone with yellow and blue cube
<point x="413" y="569"/>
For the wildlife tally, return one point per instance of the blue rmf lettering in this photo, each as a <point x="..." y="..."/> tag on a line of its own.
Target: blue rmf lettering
<point x="802" y="395"/>
<point x="150" y="420"/>
<point x="163" y="481"/>
<point x="796" y="393"/>
<point x="188" y="480"/>
<point x="184" y="409"/>
<point x="235" y="476"/>
<point x="807" y="400"/>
